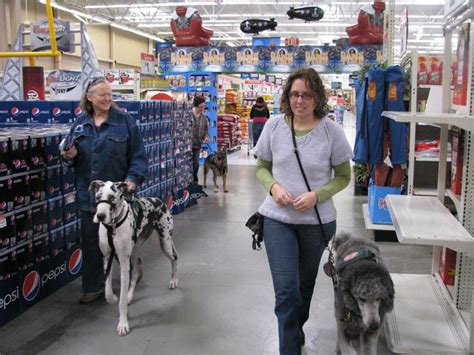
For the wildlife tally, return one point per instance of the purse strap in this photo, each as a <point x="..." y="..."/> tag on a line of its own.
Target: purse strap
<point x="295" y="149"/>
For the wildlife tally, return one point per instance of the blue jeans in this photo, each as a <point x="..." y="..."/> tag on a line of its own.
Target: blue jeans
<point x="257" y="129"/>
<point x="196" y="152"/>
<point x="93" y="267"/>
<point x="294" y="252"/>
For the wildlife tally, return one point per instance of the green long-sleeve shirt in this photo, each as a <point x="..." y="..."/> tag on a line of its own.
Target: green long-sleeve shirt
<point x="342" y="177"/>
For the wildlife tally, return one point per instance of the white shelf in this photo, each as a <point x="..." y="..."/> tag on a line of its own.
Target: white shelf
<point x="425" y="192"/>
<point x="431" y="159"/>
<point x="463" y="121"/>
<point x="425" y="319"/>
<point x="374" y="226"/>
<point x="424" y="220"/>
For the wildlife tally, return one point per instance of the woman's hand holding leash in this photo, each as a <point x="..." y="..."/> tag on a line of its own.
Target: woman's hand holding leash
<point x="305" y="202"/>
<point x="131" y="186"/>
<point x="70" y="153"/>
<point x="281" y="195"/>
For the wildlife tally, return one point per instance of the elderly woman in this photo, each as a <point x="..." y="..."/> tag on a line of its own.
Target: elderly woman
<point x="293" y="233"/>
<point x="107" y="146"/>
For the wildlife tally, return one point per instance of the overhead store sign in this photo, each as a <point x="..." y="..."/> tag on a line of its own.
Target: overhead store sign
<point x="40" y="40"/>
<point x="260" y="59"/>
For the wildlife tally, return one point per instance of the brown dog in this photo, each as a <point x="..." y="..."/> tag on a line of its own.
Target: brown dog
<point x="217" y="162"/>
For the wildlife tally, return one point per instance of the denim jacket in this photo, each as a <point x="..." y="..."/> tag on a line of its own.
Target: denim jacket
<point x="115" y="151"/>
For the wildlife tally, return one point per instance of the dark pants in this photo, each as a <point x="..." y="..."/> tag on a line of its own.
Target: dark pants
<point x="294" y="252"/>
<point x="257" y="129"/>
<point x="93" y="269"/>
<point x="196" y="152"/>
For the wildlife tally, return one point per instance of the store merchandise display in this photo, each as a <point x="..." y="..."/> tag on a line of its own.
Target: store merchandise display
<point x="39" y="221"/>
<point x="228" y="131"/>
<point x="200" y="84"/>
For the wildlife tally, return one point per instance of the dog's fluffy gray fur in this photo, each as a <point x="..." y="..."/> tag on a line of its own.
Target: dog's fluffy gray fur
<point x="364" y="294"/>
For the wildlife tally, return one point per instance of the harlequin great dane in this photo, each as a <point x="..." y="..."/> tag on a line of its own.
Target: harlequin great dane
<point x="124" y="227"/>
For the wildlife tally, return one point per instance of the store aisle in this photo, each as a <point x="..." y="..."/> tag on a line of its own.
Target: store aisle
<point x="224" y="303"/>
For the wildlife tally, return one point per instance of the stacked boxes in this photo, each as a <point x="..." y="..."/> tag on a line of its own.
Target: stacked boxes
<point x="228" y="131"/>
<point x="166" y="128"/>
<point x="38" y="217"/>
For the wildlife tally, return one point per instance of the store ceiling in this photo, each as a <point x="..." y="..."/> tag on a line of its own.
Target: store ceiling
<point x="224" y="18"/>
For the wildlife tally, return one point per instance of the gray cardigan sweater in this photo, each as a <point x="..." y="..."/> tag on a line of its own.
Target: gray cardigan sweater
<point x="322" y="148"/>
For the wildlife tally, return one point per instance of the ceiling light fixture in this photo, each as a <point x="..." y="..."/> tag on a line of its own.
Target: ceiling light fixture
<point x="166" y="4"/>
<point x="101" y="20"/>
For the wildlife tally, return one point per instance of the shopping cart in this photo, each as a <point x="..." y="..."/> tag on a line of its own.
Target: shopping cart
<point x="249" y="136"/>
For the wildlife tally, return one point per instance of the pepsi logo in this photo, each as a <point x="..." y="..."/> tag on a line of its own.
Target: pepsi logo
<point x="35" y="111"/>
<point x="15" y="111"/>
<point x="77" y="111"/>
<point x="75" y="262"/>
<point x="31" y="286"/>
<point x="170" y="202"/>
<point x="186" y="196"/>
<point x="56" y="111"/>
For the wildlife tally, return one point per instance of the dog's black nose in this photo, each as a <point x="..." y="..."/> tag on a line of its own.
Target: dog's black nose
<point x="374" y="326"/>
<point x="100" y="216"/>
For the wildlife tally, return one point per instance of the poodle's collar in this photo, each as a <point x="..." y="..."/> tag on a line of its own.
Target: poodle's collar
<point x="361" y="254"/>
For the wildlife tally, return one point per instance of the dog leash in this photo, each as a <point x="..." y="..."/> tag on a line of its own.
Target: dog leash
<point x="328" y="267"/>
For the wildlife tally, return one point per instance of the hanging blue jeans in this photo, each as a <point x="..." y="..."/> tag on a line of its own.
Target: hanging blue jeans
<point x="294" y="252"/>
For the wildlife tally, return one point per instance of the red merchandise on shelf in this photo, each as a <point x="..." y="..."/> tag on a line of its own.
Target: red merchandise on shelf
<point x="447" y="266"/>
<point x="457" y="155"/>
<point x="422" y="70"/>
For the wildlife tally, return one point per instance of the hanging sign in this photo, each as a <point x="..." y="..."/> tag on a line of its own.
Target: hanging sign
<point x="40" y="40"/>
<point x="148" y="63"/>
<point x="262" y="59"/>
<point x="404" y="32"/>
<point x="64" y="85"/>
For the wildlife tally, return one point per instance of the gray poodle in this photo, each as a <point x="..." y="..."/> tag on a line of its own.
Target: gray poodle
<point x="364" y="294"/>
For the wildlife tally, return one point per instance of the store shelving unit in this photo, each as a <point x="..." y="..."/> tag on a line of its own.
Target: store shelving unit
<point x="429" y="317"/>
<point x="201" y="83"/>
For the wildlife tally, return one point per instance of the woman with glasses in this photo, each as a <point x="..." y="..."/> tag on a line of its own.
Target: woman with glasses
<point x="107" y="145"/>
<point x="292" y="232"/>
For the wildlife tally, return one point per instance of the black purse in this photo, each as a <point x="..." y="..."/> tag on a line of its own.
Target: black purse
<point x="255" y="224"/>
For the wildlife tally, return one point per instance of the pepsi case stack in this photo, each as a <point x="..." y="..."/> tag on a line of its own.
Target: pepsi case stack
<point x="39" y="226"/>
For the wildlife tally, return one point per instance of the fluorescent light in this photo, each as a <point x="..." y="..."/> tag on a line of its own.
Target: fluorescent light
<point x="166" y="4"/>
<point x="140" y="33"/>
<point x="75" y="12"/>
<point x="98" y="19"/>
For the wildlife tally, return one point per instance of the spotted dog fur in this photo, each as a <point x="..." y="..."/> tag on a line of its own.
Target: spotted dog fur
<point x="124" y="227"/>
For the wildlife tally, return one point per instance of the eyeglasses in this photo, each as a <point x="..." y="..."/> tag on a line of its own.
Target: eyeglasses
<point x="93" y="82"/>
<point x="306" y="96"/>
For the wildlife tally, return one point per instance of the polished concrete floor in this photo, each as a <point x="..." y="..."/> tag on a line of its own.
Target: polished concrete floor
<point x="224" y="303"/>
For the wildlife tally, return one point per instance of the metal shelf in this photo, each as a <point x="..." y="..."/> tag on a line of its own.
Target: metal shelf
<point x="374" y="226"/>
<point x="425" y="319"/>
<point x="425" y="220"/>
<point x="463" y="121"/>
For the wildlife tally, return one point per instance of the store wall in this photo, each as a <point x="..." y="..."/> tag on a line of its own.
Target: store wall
<point x="128" y="47"/>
